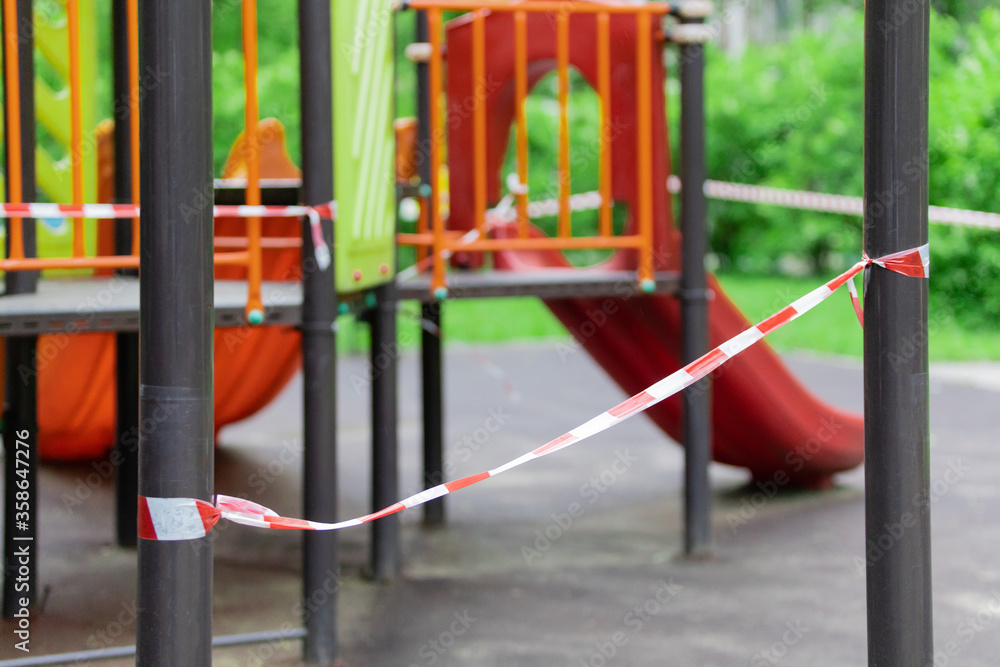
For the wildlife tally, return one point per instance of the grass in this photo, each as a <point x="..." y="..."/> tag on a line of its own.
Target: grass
<point x="830" y="328"/>
<point x="467" y="321"/>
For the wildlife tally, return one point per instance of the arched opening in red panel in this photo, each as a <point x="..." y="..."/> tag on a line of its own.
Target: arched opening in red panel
<point x="542" y="114"/>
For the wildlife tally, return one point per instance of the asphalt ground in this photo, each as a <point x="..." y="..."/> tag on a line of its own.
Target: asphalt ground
<point x="570" y="560"/>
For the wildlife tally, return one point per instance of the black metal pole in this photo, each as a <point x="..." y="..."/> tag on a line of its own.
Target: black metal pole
<point x="897" y="477"/>
<point x="385" y="469"/>
<point x="126" y="456"/>
<point x="20" y="424"/>
<point x="694" y="302"/>
<point x="432" y="391"/>
<point x="320" y="563"/>
<point x="176" y="325"/>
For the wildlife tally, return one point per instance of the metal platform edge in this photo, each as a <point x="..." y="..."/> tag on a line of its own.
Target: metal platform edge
<point x="72" y="306"/>
<point x="546" y="284"/>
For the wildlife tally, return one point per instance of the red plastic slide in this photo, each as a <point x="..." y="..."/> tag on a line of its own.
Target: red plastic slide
<point x="763" y="418"/>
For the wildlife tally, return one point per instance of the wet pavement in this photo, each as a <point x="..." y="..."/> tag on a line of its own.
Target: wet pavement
<point x="570" y="560"/>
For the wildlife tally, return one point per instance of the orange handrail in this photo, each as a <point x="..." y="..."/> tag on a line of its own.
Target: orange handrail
<point x="479" y="114"/>
<point x="110" y="261"/>
<point x="15" y="242"/>
<point x="437" y="131"/>
<point x="604" y="94"/>
<point x="132" y="20"/>
<point x="644" y="150"/>
<point x="550" y="6"/>
<point x="254" y="269"/>
<point x="521" y="68"/>
<point x="562" y="49"/>
<point x="547" y="243"/>
<point x="76" y="120"/>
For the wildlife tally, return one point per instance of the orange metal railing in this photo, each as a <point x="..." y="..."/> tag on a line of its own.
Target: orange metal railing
<point x="432" y="233"/>
<point x="235" y="251"/>
<point x="132" y="19"/>
<point x="76" y="121"/>
<point x="15" y="235"/>
<point x="250" y="116"/>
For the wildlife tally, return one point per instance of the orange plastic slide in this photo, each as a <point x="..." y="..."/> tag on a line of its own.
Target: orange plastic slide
<point x="76" y="373"/>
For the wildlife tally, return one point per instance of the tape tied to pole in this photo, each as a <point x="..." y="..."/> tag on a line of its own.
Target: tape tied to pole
<point x="110" y="211"/>
<point x="190" y="518"/>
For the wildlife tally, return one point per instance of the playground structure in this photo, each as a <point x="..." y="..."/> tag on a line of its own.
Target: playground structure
<point x="665" y="319"/>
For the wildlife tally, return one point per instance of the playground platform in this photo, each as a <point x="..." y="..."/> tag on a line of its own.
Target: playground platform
<point x="603" y="585"/>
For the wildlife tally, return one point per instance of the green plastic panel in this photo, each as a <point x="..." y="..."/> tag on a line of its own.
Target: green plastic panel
<point x="363" y="143"/>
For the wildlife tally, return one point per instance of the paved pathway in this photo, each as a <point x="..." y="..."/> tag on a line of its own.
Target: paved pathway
<point x="571" y="560"/>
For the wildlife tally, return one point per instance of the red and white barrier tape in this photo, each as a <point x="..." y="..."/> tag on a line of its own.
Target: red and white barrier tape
<point x="827" y="203"/>
<point x="761" y="194"/>
<point x="188" y="518"/>
<point x="105" y="211"/>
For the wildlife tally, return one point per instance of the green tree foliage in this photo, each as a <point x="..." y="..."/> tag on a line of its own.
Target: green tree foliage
<point x="787" y="115"/>
<point x="790" y="115"/>
<point x="278" y="72"/>
<point x="965" y="163"/>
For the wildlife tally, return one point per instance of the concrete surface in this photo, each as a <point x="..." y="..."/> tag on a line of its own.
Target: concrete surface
<point x="510" y="581"/>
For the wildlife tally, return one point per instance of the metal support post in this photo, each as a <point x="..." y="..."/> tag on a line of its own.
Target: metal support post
<point x="385" y="466"/>
<point x="432" y="393"/>
<point x="176" y="325"/>
<point x="897" y="476"/>
<point x="20" y="422"/>
<point x="694" y="301"/>
<point x="431" y="338"/>
<point x="126" y="457"/>
<point x="320" y="563"/>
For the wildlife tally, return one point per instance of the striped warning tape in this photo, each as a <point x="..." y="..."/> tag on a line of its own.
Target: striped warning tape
<point x="760" y="194"/>
<point x="41" y="210"/>
<point x="106" y="211"/>
<point x="826" y="203"/>
<point x="189" y="518"/>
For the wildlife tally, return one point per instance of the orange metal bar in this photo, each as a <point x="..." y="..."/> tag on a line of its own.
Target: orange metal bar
<point x="425" y="238"/>
<point x="479" y="115"/>
<point x="549" y="243"/>
<point x="76" y="120"/>
<point x="15" y="242"/>
<point x="232" y="258"/>
<point x="276" y="243"/>
<point x="252" y="142"/>
<point x="132" y="19"/>
<point x="437" y="134"/>
<point x="604" y="93"/>
<point x="102" y="262"/>
<point x="644" y="139"/>
<point x="521" y="68"/>
<point x="609" y="6"/>
<point x="453" y="241"/>
<point x="562" y="48"/>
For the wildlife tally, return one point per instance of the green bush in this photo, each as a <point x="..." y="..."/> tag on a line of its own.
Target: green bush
<point x="790" y="115"/>
<point x="277" y="76"/>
